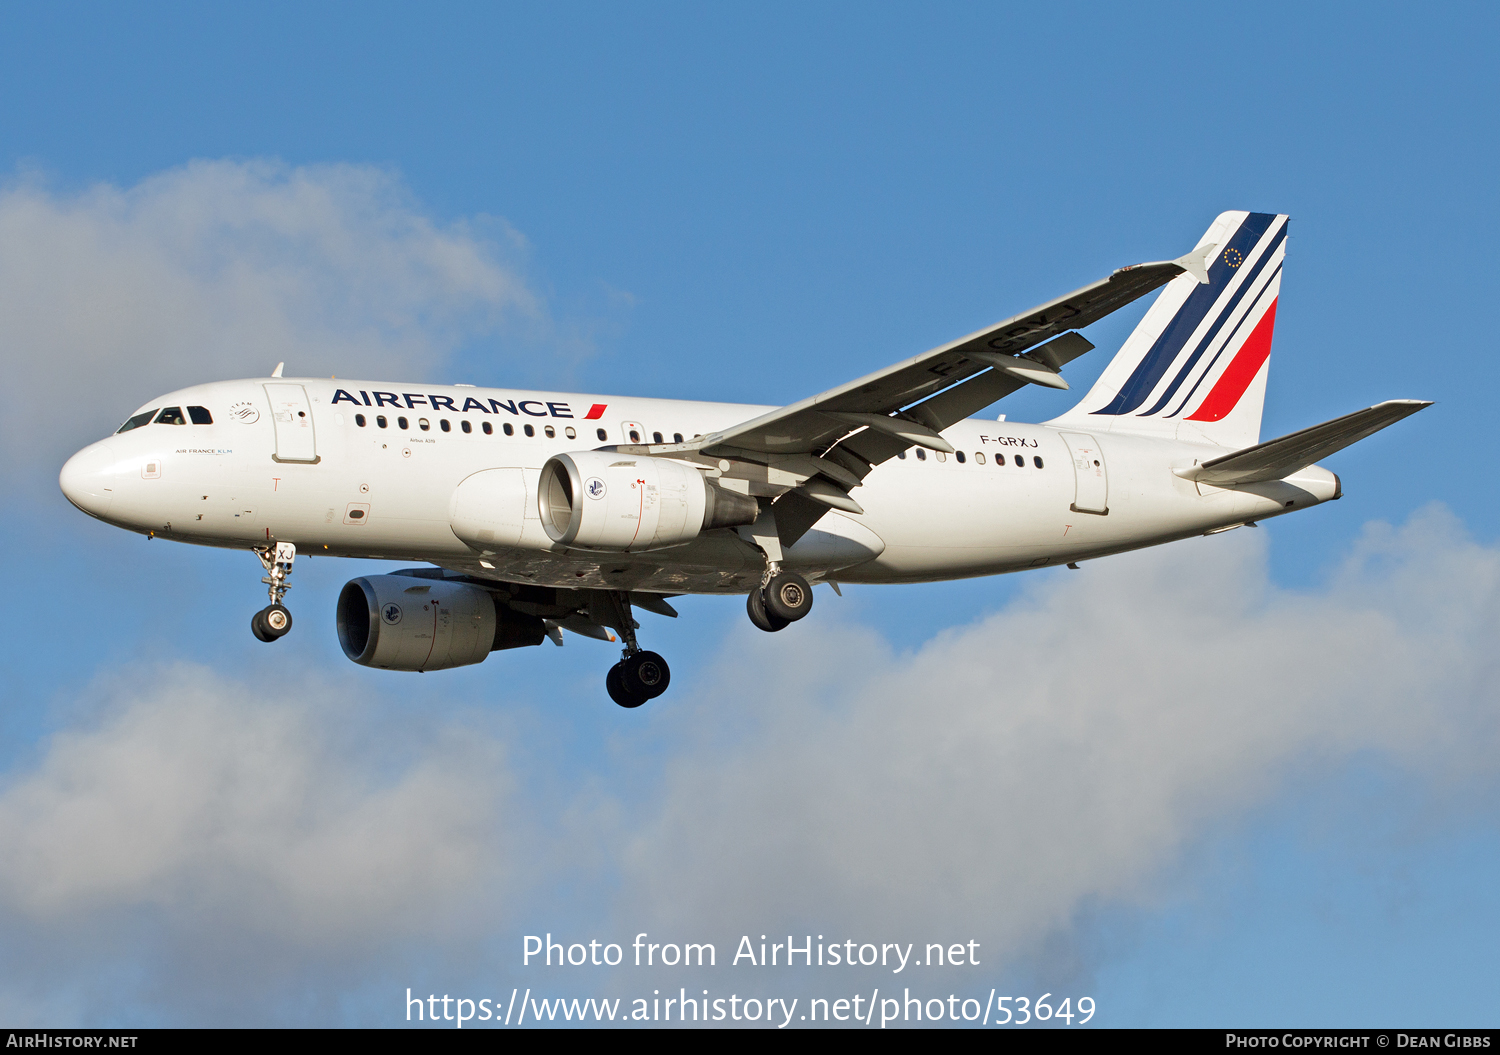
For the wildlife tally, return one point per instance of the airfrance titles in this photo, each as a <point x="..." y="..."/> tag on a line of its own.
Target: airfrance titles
<point x="535" y="408"/>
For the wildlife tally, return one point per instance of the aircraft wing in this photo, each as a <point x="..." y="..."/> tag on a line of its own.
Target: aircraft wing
<point x="986" y="366"/>
<point x="1279" y="458"/>
<point x="809" y="455"/>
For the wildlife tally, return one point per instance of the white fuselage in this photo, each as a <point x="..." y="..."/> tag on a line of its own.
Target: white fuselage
<point x="1008" y="501"/>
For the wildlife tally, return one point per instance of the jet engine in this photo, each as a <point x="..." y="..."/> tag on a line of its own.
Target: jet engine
<point x="406" y="622"/>
<point x="623" y="503"/>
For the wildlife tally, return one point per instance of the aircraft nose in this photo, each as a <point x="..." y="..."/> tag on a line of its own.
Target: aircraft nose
<point x="88" y="479"/>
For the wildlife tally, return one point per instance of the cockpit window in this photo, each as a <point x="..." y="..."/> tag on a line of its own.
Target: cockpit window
<point x="171" y="416"/>
<point x="200" y="416"/>
<point x="136" y="422"/>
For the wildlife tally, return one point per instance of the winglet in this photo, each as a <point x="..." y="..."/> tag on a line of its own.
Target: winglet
<point x="277" y="371"/>
<point x="1196" y="262"/>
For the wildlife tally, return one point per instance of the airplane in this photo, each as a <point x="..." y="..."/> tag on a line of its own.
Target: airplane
<point x="539" y="512"/>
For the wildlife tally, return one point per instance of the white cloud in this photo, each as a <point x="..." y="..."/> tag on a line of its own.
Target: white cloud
<point x="234" y="836"/>
<point x="1062" y="753"/>
<point x="274" y="854"/>
<point x="221" y="269"/>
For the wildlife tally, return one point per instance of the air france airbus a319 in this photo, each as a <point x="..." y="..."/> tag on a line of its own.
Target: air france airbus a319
<point x="540" y="512"/>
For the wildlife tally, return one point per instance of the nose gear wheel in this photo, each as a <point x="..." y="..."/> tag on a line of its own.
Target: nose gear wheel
<point x="271" y="623"/>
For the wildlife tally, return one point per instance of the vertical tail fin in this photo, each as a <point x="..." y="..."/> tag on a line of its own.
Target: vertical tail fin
<point x="1196" y="365"/>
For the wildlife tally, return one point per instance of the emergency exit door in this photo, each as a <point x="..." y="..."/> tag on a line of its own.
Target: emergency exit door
<point x="291" y="414"/>
<point x="1091" y="481"/>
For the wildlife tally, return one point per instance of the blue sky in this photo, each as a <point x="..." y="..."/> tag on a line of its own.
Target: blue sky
<point x="751" y="205"/>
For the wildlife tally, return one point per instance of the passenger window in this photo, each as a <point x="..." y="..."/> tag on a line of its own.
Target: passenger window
<point x="549" y="432"/>
<point x="571" y="432"/>
<point x="380" y="420"/>
<point x="1038" y="462"/>
<point x="941" y="456"/>
<point x="1020" y="462"/>
<point x="423" y="424"/>
<point x="528" y="430"/>
<point x="200" y="416"/>
<point x="144" y="418"/>
<point x="488" y="428"/>
<point x="978" y="458"/>
<point x="443" y="424"/>
<point x="171" y="416"/>
<point x="602" y="434"/>
<point x="401" y="423"/>
<point x="901" y="455"/>
<point x="635" y="437"/>
<point x="510" y="430"/>
<point x="656" y="437"/>
<point x="960" y="456"/>
<point x="921" y="455"/>
<point x="359" y="419"/>
<point x="676" y="437"/>
<point x="465" y="425"/>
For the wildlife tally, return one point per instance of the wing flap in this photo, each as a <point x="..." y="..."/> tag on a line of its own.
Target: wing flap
<point x="1279" y="458"/>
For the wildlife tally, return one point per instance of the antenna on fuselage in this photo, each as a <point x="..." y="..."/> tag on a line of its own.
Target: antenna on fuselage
<point x="277" y="371"/>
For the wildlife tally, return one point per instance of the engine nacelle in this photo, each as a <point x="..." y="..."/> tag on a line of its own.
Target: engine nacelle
<point x="403" y="622"/>
<point x="629" y="503"/>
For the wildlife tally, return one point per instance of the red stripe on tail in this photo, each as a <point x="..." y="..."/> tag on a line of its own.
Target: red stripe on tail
<point x="1232" y="383"/>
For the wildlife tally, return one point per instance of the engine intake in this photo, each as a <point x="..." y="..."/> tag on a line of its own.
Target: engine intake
<point x="403" y="622"/>
<point x="627" y="504"/>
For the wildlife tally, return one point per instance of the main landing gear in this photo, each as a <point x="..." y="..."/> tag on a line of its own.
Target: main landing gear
<point x="274" y="621"/>
<point x="783" y="598"/>
<point x="640" y="675"/>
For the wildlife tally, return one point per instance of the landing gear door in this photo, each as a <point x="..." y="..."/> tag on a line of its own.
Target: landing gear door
<point x="1089" y="474"/>
<point x="292" y="414"/>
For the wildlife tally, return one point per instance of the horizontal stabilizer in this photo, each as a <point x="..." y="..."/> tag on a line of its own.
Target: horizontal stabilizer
<point x="1279" y="458"/>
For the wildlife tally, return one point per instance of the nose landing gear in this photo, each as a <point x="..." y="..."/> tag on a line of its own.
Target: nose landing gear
<point x="274" y="621"/>
<point x="640" y="675"/>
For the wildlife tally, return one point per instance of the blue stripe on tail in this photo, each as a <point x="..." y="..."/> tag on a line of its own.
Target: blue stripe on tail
<point x="1227" y="344"/>
<point x="1169" y="345"/>
<point x="1219" y="322"/>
